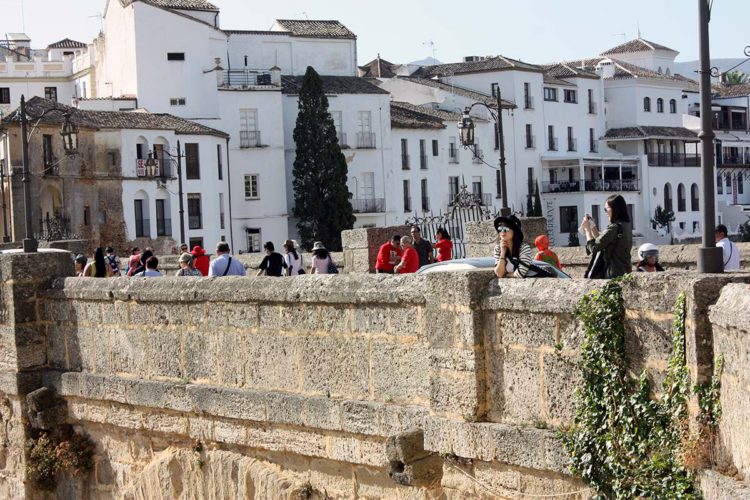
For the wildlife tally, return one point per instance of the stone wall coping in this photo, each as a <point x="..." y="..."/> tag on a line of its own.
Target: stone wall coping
<point x="732" y="310"/>
<point x="359" y="417"/>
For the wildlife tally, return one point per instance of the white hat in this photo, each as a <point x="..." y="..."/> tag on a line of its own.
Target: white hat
<point x="318" y="245"/>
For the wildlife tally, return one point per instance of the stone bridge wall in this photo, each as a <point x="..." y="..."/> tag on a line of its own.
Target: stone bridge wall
<point x="347" y="386"/>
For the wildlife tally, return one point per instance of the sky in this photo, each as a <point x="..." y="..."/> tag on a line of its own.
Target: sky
<point x="536" y="31"/>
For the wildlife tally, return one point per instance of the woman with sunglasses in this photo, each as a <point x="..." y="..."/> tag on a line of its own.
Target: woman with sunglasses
<point x="512" y="256"/>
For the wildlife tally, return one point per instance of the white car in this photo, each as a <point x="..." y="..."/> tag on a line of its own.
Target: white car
<point x="538" y="269"/>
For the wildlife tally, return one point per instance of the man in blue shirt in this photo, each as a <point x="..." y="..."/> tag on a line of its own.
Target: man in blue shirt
<point x="224" y="264"/>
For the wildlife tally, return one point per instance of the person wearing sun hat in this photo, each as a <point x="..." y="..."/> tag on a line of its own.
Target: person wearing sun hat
<point x="512" y="256"/>
<point x="200" y="260"/>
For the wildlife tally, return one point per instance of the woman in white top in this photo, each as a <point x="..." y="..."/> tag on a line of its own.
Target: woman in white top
<point x="292" y="259"/>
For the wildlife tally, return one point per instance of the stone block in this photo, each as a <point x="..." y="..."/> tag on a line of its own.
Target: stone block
<point x="514" y="386"/>
<point x="647" y="337"/>
<point x="331" y="319"/>
<point x="238" y="315"/>
<point x="321" y="413"/>
<point x="154" y="394"/>
<point x="460" y="395"/>
<point x="270" y="317"/>
<point x="524" y="447"/>
<point x="287" y="440"/>
<point x="524" y="328"/>
<point x="114" y="313"/>
<point x="400" y="372"/>
<point x="406" y="447"/>
<point x="336" y="367"/>
<point x="396" y="419"/>
<point x="271" y="362"/>
<point x="359" y="417"/>
<point x="199" y="355"/>
<point x="165" y="423"/>
<point x="460" y="360"/>
<point x="164" y="354"/>
<point x="284" y="408"/>
<point x="354" y="238"/>
<point x="128" y="351"/>
<point x="356" y="450"/>
<point x="231" y="365"/>
<point x="366" y="319"/>
<point x="230" y="403"/>
<point x="561" y="378"/>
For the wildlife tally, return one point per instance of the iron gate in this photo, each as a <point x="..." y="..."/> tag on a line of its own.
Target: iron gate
<point x="465" y="207"/>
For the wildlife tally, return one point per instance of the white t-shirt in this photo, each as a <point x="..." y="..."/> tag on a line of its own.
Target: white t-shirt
<point x="731" y="254"/>
<point x="293" y="265"/>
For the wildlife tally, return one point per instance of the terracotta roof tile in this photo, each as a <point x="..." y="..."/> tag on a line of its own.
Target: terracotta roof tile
<point x="568" y="70"/>
<point x="332" y="85"/>
<point x="111" y="119"/>
<point x="650" y="132"/>
<point x="177" y="4"/>
<point x="405" y="115"/>
<point x="497" y="63"/>
<point x="732" y="89"/>
<point x="316" y="29"/>
<point x="453" y="89"/>
<point x="378" y="68"/>
<point x="67" y="43"/>
<point x="637" y="45"/>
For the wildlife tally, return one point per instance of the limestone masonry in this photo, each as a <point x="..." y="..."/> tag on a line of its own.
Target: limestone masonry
<point x="351" y="386"/>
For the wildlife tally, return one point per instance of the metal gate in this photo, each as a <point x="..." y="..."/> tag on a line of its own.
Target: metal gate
<point x="465" y="207"/>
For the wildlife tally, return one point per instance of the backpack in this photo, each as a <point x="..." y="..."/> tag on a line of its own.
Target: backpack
<point x="331" y="266"/>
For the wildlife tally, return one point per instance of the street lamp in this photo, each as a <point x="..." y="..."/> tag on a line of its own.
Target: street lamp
<point x="69" y="134"/>
<point x="6" y="236"/>
<point x="151" y="163"/>
<point x="466" y="131"/>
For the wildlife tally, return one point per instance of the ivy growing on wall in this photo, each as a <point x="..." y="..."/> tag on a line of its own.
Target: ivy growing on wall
<point x="624" y="443"/>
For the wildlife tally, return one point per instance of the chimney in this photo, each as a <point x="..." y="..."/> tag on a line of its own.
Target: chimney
<point x="606" y="68"/>
<point x="276" y="76"/>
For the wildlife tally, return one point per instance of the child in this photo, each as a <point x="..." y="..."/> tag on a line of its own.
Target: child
<point x="545" y="254"/>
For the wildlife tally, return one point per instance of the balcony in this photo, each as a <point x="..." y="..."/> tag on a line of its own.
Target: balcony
<point x="249" y="139"/>
<point x="561" y="187"/>
<point x="572" y="144"/>
<point x="733" y="160"/>
<point x="365" y="140"/>
<point x="453" y="154"/>
<point x="162" y="169"/>
<point x="484" y="199"/>
<point x="341" y="137"/>
<point x="368" y="205"/>
<point x="673" y="160"/>
<point x="530" y="142"/>
<point x="552" y="144"/>
<point x="528" y="102"/>
<point x="423" y="161"/>
<point x="425" y="203"/>
<point x="404" y="162"/>
<point x="592" y="108"/>
<point x="478" y="157"/>
<point x="247" y="78"/>
<point x="612" y="185"/>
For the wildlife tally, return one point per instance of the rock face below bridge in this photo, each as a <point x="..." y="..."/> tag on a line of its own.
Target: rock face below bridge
<point x="350" y="386"/>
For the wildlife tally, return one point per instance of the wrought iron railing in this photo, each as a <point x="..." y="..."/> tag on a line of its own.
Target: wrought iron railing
<point x="673" y="160"/>
<point x="55" y="228"/>
<point x="368" y="205"/>
<point x="247" y="78"/>
<point x="561" y="187"/>
<point x="249" y="139"/>
<point x="365" y="140"/>
<point x="612" y="185"/>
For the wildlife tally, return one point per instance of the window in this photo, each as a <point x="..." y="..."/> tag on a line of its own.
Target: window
<point x="498" y="184"/>
<point x="529" y="137"/>
<point x="47" y="150"/>
<point x="694" y="198"/>
<point x="338" y="124"/>
<point x="631" y="208"/>
<point x="592" y="104"/>
<point x="86" y="216"/>
<point x="219" y="161"/>
<point x="253" y="240"/>
<point x="527" y="101"/>
<point x="221" y="210"/>
<point x="550" y="94"/>
<point x="668" y="196"/>
<point x="177" y="101"/>
<point x="719" y="185"/>
<point x="672" y="106"/>
<point x="435" y="148"/>
<point x="740" y="186"/>
<point x="595" y="214"/>
<point x="476" y="188"/>
<point x="251" y="187"/>
<point x="407" y="197"/>
<point x="141" y="221"/>
<point x="681" y="201"/>
<point x="163" y="222"/>
<point x="195" y="217"/>
<point x="569" y="219"/>
<point x="425" y="197"/>
<point x="572" y="143"/>
<point x="592" y="141"/>
<point x="192" y="161"/>
<point x="452" y="150"/>
<point x="496" y="136"/>
<point x="404" y="154"/>
<point x="249" y="133"/>
<point x="552" y="146"/>
<point x="647" y="104"/>
<point x="660" y="105"/>
<point x="728" y="184"/>
<point x="4" y="95"/>
<point x="452" y="188"/>
<point x="494" y="89"/>
<point x="140" y="151"/>
<point x="423" y="154"/>
<point x="50" y="93"/>
<point x="365" y="137"/>
<point x="175" y="56"/>
<point x="570" y="95"/>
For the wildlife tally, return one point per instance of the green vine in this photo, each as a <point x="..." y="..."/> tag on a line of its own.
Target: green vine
<point x="624" y="443"/>
<point x="51" y="454"/>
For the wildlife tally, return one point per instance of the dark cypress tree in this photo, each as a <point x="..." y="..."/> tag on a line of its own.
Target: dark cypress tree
<point x="537" y="202"/>
<point x="321" y="197"/>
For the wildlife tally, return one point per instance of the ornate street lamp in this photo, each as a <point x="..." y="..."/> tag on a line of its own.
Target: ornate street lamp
<point x="69" y="135"/>
<point x="180" y="194"/>
<point x="466" y="129"/>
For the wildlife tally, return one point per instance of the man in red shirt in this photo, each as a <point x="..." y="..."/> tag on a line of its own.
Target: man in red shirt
<point x="410" y="258"/>
<point x="388" y="256"/>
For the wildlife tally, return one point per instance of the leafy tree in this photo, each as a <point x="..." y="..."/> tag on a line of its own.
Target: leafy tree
<point x="321" y="197"/>
<point x="733" y="77"/>
<point x="663" y="218"/>
<point x="745" y="231"/>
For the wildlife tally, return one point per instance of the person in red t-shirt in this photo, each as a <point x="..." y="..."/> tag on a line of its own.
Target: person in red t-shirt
<point x="410" y="258"/>
<point x="444" y="245"/>
<point x="388" y="255"/>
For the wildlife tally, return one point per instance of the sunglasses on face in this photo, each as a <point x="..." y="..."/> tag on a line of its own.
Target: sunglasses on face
<point x="503" y="229"/>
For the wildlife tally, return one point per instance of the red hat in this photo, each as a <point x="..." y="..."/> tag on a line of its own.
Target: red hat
<point x="541" y="242"/>
<point x="198" y="251"/>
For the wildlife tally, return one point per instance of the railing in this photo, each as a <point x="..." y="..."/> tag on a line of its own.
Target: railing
<point x="249" y="139"/>
<point x="365" y="140"/>
<point x="572" y="144"/>
<point x="423" y="161"/>
<point x="528" y="102"/>
<point x="592" y="108"/>
<point x="407" y="203"/>
<point x="55" y="228"/>
<point x="195" y="222"/>
<point x="161" y="169"/>
<point x="612" y="185"/>
<point x="673" y="160"/>
<point x="530" y="142"/>
<point x="453" y="154"/>
<point x="478" y="156"/>
<point x="552" y="143"/>
<point x="142" y="228"/>
<point x="51" y="169"/>
<point x="561" y="187"/>
<point x="341" y="136"/>
<point x="425" y="203"/>
<point x="246" y="78"/>
<point x="163" y="227"/>
<point x="484" y="199"/>
<point x="734" y="160"/>
<point x="404" y="161"/>
<point x="368" y="205"/>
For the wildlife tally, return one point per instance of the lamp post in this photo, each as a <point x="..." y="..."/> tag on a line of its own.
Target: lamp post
<point x="6" y="236"/>
<point x="466" y="130"/>
<point x="179" y="184"/>
<point x="69" y="133"/>
<point x="710" y="257"/>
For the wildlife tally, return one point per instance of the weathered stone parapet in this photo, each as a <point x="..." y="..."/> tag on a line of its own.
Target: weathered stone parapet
<point x="361" y="246"/>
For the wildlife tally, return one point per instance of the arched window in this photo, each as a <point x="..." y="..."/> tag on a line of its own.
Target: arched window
<point x="681" y="201"/>
<point x="141" y="215"/>
<point x="660" y="105"/>
<point x="647" y="104"/>
<point x="667" y="196"/>
<point x="672" y="106"/>
<point x="694" y="200"/>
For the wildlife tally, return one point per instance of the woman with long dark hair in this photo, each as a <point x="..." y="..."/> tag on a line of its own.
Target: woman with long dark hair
<point x="444" y="245"/>
<point x="98" y="268"/>
<point x="609" y="250"/>
<point x="512" y="256"/>
<point x="292" y="259"/>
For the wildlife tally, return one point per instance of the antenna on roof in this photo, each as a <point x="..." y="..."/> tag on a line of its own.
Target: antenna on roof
<point x="23" y="18"/>
<point x="638" y="25"/>
<point x="99" y="16"/>
<point x="431" y="44"/>
<point x="305" y="14"/>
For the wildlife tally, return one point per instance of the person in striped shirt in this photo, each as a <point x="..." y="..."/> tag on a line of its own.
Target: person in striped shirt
<point x="512" y="256"/>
